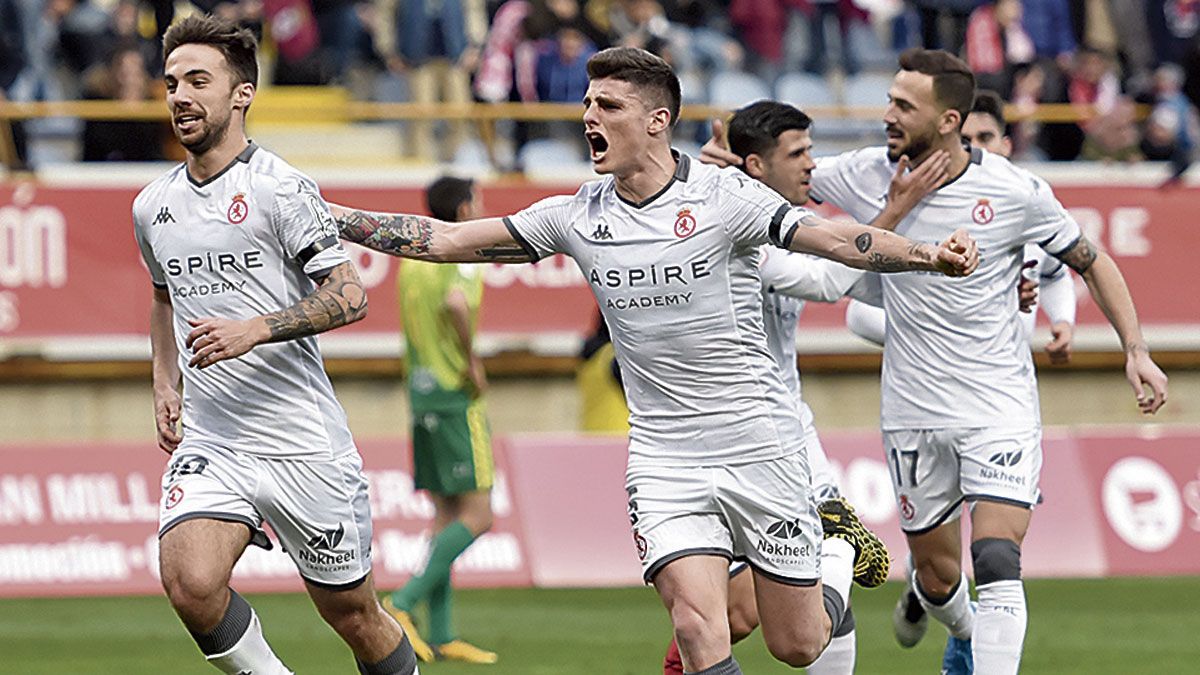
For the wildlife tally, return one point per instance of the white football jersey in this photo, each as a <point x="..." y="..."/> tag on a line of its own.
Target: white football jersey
<point x="788" y="281"/>
<point x="244" y="243"/>
<point x="676" y="278"/>
<point x="955" y="354"/>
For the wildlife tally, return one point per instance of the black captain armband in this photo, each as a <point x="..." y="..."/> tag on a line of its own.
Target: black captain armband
<point x="1079" y="255"/>
<point x="316" y="247"/>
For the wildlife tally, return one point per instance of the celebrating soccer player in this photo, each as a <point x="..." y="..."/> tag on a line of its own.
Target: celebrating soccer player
<point x="235" y="232"/>
<point x="773" y="143"/>
<point x="717" y="468"/>
<point x="960" y="413"/>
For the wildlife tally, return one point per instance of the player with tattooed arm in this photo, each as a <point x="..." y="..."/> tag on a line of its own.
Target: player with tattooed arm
<point x="235" y="232"/>
<point x="717" y="466"/>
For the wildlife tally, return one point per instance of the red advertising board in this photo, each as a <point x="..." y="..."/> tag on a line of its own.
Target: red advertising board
<point x="69" y="266"/>
<point x="81" y="519"/>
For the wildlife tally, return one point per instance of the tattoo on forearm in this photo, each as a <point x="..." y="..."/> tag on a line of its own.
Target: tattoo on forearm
<point x="503" y="253"/>
<point x="863" y="242"/>
<point x="1137" y="347"/>
<point x="397" y="234"/>
<point x="1080" y="256"/>
<point x="918" y="256"/>
<point x="339" y="300"/>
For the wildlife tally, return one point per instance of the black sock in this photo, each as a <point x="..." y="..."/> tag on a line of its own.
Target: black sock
<point x="835" y="607"/>
<point x="231" y="628"/>
<point x="402" y="661"/>
<point x="847" y="625"/>
<point x="727" y="667"/>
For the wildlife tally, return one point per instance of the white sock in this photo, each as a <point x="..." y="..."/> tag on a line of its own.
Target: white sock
<point x="838" y="657"/>
<point x="251" y="653"/>
<point x="837" y="567"/>
<point x="955" y="614"/>
<point x="999" y="628"/>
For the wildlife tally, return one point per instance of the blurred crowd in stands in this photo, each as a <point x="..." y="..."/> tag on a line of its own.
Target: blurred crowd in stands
<point x="1104" y="56"/>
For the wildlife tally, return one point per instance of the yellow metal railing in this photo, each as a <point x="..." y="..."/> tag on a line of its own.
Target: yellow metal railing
<point x="274" y="108"/>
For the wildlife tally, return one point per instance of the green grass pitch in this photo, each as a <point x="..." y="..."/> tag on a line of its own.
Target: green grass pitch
<point x="1117" y="626"/>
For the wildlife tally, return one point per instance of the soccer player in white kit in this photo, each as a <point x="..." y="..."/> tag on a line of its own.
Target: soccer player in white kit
<point x="236" y="232"/>
<point x="773" y="143"/>
<point x="717" y="468"/>
<point x="985" y="129"/>
<point x="960" y="412"/>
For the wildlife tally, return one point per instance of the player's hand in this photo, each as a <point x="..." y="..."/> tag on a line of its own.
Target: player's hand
<point x="1027" y="293"/>
<point x="716" y="150"/>
<point x="167" y="406"/>
<point x="213" y="340"/>
<point x="1059" y="348"/>
<point x="958" y="256"/>
<point x="476" y="377"/>
<point x="910" y="187"/>
<point x="1149" y="382"/>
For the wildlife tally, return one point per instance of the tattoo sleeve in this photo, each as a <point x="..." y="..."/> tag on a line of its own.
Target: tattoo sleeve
<point x="1079" y="256"/>
<point x="339" y="300"/>
<point x="401" y="235"/>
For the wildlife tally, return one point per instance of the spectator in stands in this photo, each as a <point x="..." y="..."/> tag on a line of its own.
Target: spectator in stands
<point x="12" y="64"/>
<point x="1107" y="127"/>
<point x="507" y="63"/>
<point x="562" y="66"/>
<point x="1173" y="127"/>
<point x="438" y="45"/>
<point x="1174" y="27"/>
<point x="760" y="26"/>
<point x="124" y="78"/>
<point x="1048" y="24"/>
<point x="997" y="44"/>
<point x="82" y="28"/>
<point x="711" y="45"/>
<point x="846" y="13"/>
<point x="123" y="29"/>
<point x="935" y="13"/>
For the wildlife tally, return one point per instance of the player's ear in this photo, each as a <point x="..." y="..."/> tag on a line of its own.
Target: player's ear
<point x="243" y="95"/>
<point x="660" y="121"/>
<point x="950" y="122"/>
<point x="754" y="166"/>
<point x="1006" y="143"/>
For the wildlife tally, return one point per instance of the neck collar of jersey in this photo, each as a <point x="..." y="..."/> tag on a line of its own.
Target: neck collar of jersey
<point x="976" y="158"/>
<point x="243" y="158"/>
<point x="682" y="171"/>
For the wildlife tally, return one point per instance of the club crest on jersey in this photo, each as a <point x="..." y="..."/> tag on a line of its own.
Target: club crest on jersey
<point x="983" y="212"/>
<point x="238" y="210"/>
<point x="685" y="223"/>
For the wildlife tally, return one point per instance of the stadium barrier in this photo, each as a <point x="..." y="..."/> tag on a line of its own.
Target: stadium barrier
<point x="73" y="286"/>
<point x="81" y="519"/>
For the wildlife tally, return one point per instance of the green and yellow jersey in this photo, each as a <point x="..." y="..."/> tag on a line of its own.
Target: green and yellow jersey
<point x="436" y="359"/>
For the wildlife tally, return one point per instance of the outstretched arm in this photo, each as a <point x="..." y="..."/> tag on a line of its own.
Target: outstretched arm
<point x="871" y="248"/>
<point x="426" y="238"/>
<point x="338" y="301"/>
<point x="1108" y="288"/>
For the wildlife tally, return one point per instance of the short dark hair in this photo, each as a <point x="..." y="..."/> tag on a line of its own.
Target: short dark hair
<point x="755" y="129"/>
<point x="235" y="43"/>
<point x="642" y="69"/>
<point x="988" y="102"/>
<point x="446" y="195"/>
<point x="953" y="81"/>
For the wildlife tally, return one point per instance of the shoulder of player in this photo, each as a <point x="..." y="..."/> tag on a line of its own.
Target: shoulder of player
<point x="1000" y="171"/>
<point x="868" y="158"/>
<point x="154" y="191"/>
<point x="273" y="174"/>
